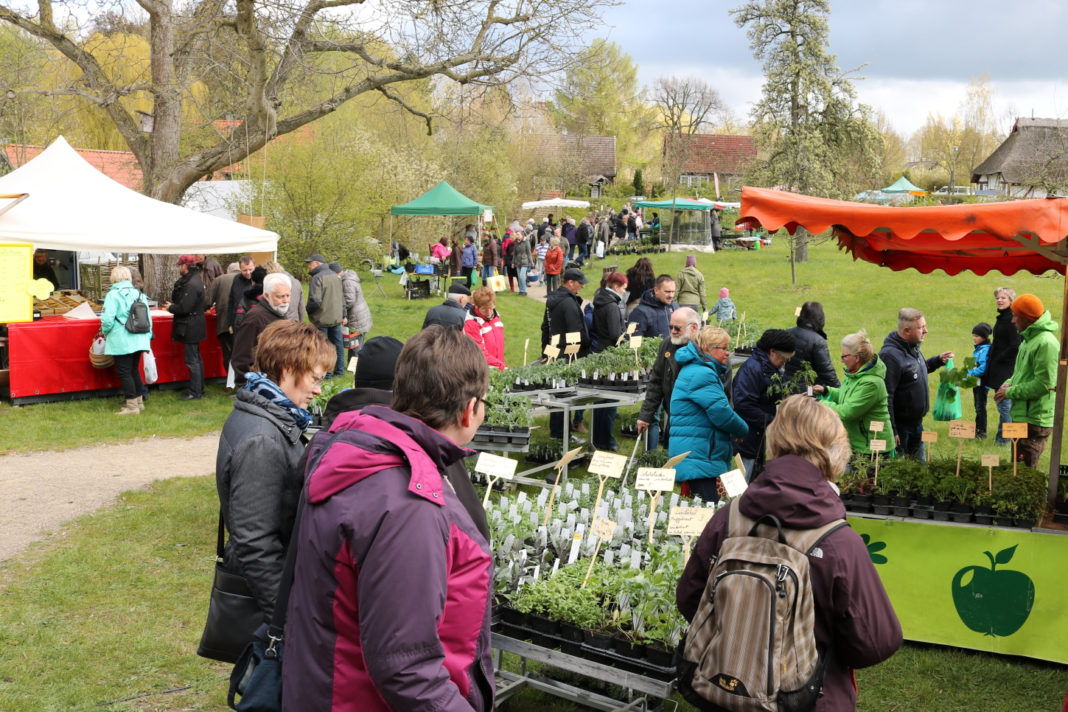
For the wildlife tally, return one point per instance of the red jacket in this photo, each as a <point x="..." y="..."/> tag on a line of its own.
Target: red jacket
<point x="488" y="333"/>
<point x="853" y="613"/>
<point x="554" y="260"/>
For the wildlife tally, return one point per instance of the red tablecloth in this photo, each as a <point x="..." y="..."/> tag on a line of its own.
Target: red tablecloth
<point x="51" y="356"/>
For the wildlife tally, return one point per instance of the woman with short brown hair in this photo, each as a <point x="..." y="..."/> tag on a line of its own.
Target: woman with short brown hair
<point x="485" y="327"/>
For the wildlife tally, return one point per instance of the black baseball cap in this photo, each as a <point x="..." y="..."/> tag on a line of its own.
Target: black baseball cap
<point x="574" y="275"/>
<point x="316" y="258"/>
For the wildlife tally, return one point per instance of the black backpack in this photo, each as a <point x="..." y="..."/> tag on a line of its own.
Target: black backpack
<point x="138" y="321"/>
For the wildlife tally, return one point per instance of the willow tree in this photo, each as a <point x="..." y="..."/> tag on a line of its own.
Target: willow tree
<point x="275" y="67"/>
<point x="812" y="135"/>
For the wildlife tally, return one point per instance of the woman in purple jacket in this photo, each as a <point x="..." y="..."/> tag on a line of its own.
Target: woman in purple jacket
<point x="855" y="624"/>
<point x="390" y="604"/>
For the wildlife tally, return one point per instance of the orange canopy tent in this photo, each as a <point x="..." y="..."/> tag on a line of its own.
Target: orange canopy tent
<point x="1008" y="237"/>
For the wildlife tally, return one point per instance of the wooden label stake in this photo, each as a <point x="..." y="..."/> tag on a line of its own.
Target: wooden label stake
<point x="990" y="462"/>
<point x="602" y="529"/>
<point x="560" y="465"/>
<point x="494" y="467"/>
<point x="654" y="480"/>
<point x="877" y="446"/>
<point x="688" y="522"/>
<point x="605" y="465"/>
<point x="928" y="437"/>
<point x="1014" y="431"/>
<point x="962" y="430"/>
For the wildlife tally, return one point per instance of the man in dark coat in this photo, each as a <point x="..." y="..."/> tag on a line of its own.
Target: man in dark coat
<point x="242" y="283"/>
<point x="452" y="313"/>
<point x="685" y="323"/>
<point x="653" y="313"/>
<point x="908" y="396"/>
<point x="190" y="326"/>
<point x="271" y="307"/>
<point x="326" y="307"/>
<point x="218" y="296"/>
<point x="563" y="316"/>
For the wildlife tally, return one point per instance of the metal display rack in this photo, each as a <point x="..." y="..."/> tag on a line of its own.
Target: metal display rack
<point x="643" y="692"/>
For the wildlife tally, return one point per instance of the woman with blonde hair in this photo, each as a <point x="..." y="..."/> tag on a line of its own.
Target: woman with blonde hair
<point x="124" y="346"/>
<point x="807" y="450"/>
<point x="485" y="327"/>
<point x="862" y="398"/>
<point x="702" y="421"/>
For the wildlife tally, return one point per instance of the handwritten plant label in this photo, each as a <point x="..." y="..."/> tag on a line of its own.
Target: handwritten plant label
<point x="797" y="312"/>
<point x="962" y="429"/>
<point x="877" y="445"/>
<point x="636" y="342"/>
<point x="1014" y="430"/>
<point x="607" y="464"/>
<point x="929" y="436"/>
<point x="554" y="339"/>
<point x="604" y="528"/>
<point x="876" y="426"/>
<point x="655" y="479"/>
<point x="688" y="521"/>
<point x="553" y="352"/>
<point x="573" y="337"/>
<point x="991" y="460"/>
<point x="734" y="483"/>
<point x="495" y="466"/>
<point x="572" y="349"/>
<point x="631" y="327"/>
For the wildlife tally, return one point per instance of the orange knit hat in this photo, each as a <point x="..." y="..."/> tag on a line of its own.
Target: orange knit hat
<point x="1028" y="305"/>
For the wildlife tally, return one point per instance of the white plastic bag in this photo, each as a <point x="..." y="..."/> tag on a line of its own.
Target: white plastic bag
<point x="600" y="248"/>
<point x="148" y="362"/>
<point x="99" y="344"/>
<point x="231" y="377"/>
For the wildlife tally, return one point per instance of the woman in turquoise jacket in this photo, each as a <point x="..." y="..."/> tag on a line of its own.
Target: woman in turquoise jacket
<point x="702" y="421"/>
<point x="862" y="398"/>
<point x="120" y="343"/>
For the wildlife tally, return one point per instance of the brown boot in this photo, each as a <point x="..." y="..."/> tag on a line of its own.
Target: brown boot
<point x="140" y="403"/>
<point x="130" y="408"/>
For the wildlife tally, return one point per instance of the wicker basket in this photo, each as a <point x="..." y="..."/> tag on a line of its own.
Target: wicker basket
<point x="101" y="360"/>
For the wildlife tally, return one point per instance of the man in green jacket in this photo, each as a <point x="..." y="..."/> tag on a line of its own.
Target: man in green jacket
<point x="1034" y="377"/>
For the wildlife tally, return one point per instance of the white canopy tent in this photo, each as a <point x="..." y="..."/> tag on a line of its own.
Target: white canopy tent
<point x="73" y="206"/>
<point x="555" y="203"/>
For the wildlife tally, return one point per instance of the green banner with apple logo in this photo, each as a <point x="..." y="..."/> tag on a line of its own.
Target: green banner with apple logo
<point x="987" y="588"/>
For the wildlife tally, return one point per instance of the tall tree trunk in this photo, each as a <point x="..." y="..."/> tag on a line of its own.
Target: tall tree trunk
<point x="801" y="251"/>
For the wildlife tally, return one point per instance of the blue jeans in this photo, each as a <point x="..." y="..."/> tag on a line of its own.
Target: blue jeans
<point x="911" y="441"/>
<point x="523" y="280"/>
<point x="334" y="336"/>
<point x="1004" y="416"/>
<point x="487" y="272"/>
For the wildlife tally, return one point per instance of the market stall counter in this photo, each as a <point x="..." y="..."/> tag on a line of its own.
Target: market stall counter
<point x="49" y="358"/>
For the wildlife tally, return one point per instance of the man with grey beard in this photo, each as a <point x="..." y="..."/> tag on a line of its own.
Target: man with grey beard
<point x="271" y="307"/>
<point x="683" y="326"/>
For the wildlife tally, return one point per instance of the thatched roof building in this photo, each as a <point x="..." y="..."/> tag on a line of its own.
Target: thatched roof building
<point x="1031" y="163"/>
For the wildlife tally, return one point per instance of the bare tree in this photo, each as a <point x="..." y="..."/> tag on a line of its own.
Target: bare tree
<point x="274" y="66"/>
<point x="686" y="105"/>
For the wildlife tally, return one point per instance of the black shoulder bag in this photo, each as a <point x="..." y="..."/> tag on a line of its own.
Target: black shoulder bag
<point x="138" y="321"/>
<point x="234" y="614"/>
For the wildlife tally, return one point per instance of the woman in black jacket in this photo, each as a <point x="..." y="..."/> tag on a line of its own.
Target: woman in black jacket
<point x="1001" y="358"/>
<point x="256" y="471"/>
<point x="811" y="347"/>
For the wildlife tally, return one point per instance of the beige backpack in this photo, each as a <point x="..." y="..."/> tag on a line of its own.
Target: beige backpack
<point x="751" y="645"/>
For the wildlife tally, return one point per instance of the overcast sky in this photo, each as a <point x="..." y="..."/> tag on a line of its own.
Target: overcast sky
<point x="920" y="56"/>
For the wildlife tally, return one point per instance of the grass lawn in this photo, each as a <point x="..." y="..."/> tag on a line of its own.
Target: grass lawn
<point x="112" y="607"/>
<point x="109" y="612"/>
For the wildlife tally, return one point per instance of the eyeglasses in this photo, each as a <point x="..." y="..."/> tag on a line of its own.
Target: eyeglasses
<point x="718" y="348"/>
<point x="318" y="380"/>
<point x="480" y="400"/>
<point x="676" y="328"/>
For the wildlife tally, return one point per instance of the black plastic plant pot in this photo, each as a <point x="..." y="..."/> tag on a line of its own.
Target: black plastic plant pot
<point x="940" y="515"/>
<point x="984" y="519"/>
<point x="900" y="511"/>
<point x="1003" y="521"/>
<point x="571" y="632"/>
<point x="922" y="511"/>
<point x="961" y="517"/>
<point x="661" y="657"/>
<point x="1024" y="523"/>
<point x="882" y="509"/>
<point x="513" y="617"/>
<point x="601" y="641"/>
<point x="544" y="625"/>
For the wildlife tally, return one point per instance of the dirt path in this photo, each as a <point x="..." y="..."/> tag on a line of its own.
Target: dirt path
<point x="42" y="490"/>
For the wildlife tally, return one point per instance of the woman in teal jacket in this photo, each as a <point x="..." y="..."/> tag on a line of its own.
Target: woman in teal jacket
<point x="862" y="398"/>
<point x="120" y="343"/>
<point x="702" y="421"/>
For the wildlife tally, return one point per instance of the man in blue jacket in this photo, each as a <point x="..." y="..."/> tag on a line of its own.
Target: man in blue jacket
<point x="653" y="313"/>
<point x="907" y="393"/>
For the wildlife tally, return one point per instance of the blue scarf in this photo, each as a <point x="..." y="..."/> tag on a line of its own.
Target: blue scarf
<point x="262" y="386"/>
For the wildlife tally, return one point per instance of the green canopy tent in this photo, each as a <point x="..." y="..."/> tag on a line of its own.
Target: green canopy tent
<point x="904" y="185"/>
<point x="692" y="236"/>
<point x="442" y="199"/>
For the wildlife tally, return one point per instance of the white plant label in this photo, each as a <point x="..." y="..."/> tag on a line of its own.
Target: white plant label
<point x="573" y="337"/>
<point x="688" y="521"/>
<point x="604" y="528"/>
<point x="607" y="464"/>
<point x="734" y="482"/>
<point x="655" y="479"/>
<point x="991" y="460"/>
<point x="635" y="559"/>
<point x="676" y="460"/>
<point x="964" y="429"/>
<point x="576" y="544"/>
<point x="931" y="436"/>
<point x="636" y="342"/>
<point x="876" y="426"/>
<point x="877" y="445"/>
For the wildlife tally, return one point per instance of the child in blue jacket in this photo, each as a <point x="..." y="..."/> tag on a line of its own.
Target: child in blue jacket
<point x="981" y="336"/>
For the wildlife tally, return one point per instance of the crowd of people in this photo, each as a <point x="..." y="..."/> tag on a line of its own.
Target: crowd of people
<point x="390" y="599"/>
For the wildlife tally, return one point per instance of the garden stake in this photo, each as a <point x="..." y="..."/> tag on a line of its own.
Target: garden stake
<point x="526" y="345"/>
<point x="600" y="491"/>
<point x="593" y="560"/>
<point x="560" y="465"/>
<point x="653" y="501"/>
<point x="489" y="488"/>
<point x="630" y="463"/>
<point x="960" y="453"/>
